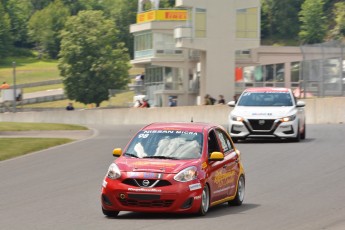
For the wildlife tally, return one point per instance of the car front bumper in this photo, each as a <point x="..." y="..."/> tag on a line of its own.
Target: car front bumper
<point x="260" y="128"/>
<point x="177" y="197"/>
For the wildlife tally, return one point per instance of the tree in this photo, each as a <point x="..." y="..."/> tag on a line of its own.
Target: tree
<point x="5" y="34"/>
<point x="124" y="14"/>
<point x="45" y="26"/>
<point x="20" y="12"/>
<point x="92" y="61"/>
<point x="313" y="27"/>
<point x="279" y="18"/>
<point x="339" y="13"/>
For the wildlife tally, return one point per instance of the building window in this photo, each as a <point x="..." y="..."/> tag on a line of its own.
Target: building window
<point x="247" y="22"/>
<point x="200" y="23"/>
<point x="295" y="71"/>
<point x="279" y="73"/>
<point x="143" y="41"/>
<point x="154" y="76"/>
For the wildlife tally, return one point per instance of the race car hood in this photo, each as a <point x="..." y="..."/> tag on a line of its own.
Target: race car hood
<point x="153" y="165"/>
<point x="263" y="112"/>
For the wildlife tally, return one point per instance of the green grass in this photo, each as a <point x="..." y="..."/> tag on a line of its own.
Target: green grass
<point x="32" y="69"/>
<point x="14" y="147"/>
<point x="27" y="126"/>
<point x="28" y="70"/>
<point x="42" y="88"/>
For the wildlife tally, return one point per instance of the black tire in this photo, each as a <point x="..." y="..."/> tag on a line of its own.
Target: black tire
<point x="235" y="140"/>
<point x="110" y="213"/>
<point x="205" y="201"/>
<point x="304" y="131"/>
<point x="239" y="193"/>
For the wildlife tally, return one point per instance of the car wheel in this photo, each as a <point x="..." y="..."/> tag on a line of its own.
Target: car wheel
<point x="110" y="213"/>
<point x="205" y="201"/>
<point x="239" y="193"/>
<point x="304" y="131"/>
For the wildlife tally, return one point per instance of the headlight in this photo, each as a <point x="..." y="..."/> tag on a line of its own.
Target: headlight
<point x="237" y="118"/>
<point x="289" y="118"/>
<point x="113" y="171"/>
<point x="186" y="174"/>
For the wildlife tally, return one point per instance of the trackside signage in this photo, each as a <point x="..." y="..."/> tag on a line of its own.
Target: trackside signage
<point x="162" y="15"/>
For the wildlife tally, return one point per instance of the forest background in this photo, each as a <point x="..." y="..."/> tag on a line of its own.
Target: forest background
<point x="48" y="29"/>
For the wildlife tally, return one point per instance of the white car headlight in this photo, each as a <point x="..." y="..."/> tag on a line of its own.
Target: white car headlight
<point x="113" y="172"/>
<point x="237" y="118"/>
<point x="289" y="118"/>
<point x="186" y="174"/>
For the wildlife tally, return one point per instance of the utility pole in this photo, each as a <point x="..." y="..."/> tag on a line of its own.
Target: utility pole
<point x="14" y="87"/>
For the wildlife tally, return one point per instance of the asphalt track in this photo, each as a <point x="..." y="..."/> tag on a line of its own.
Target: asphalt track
<point x="289" y="186"/>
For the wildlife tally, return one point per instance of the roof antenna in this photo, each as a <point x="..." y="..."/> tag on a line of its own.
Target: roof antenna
<point x="191" y="120"/>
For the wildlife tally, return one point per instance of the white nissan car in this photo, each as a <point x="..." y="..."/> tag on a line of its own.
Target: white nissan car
<point x="267" y="112"/>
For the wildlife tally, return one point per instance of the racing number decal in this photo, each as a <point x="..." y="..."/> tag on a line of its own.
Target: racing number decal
<point x="143" y="135"/>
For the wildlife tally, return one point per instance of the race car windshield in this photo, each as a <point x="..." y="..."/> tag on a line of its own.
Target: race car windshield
<point x="166" y="144"/>
<point x="265" y="99"/>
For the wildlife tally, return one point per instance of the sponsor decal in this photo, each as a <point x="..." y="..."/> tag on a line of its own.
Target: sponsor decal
<point x="262" y="114"/>
<point x="197" y="197"/>
<point x="144" y="190"/>
<point x="170" y="132"/>
<point x="223" y="179"/>
<point x="193" y="187"/>
<point x="221" y="190"/>
<point x="150" y="175"/>
<point x="133" y="174"/>
<point x="204" y="165"/>
<point x="145" y="175"/>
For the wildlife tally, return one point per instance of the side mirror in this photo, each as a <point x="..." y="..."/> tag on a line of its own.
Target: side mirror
<point x="117" y="152"/>
<point x="300" y="104"/>
<point x="232" y="103"/>
<point x="216" y="156"/>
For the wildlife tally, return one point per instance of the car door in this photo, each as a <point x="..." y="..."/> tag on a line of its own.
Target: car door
<point x="217" y="169"/>
<point x="230" y="164"/>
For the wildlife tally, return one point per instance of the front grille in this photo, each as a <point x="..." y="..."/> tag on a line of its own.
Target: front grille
<point x="144" y="196"/>
<point x="139" y="182"/>
<point x="261" y="124"/>
<point x="147" y="203"/>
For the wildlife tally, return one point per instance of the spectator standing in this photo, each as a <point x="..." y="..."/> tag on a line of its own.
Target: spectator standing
<point x="221" y="100"/>
<point x="207" y="100"/>
<point x="69" y="107"/>
<point x="145" y="104"/>
<point x="5" y="85"/>
<point x="137" y="104"/>
<point x="172" y="102"/>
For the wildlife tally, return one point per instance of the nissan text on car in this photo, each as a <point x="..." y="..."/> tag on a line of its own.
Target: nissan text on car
<point x="174" y="168"/>
<point x="267" y="112"/>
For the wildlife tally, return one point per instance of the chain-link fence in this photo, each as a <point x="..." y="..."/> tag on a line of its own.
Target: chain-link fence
<point x="323" y="69"/>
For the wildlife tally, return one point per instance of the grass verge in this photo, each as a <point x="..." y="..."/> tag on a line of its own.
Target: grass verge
<point x="14" y="147"/>
<point x="23" y="126"/>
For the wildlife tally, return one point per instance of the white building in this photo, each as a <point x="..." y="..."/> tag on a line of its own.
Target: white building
<point x="189" y="51"/>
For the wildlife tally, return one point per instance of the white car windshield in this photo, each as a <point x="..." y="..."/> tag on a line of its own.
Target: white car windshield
<point x="166" y="144"/>
<point x="265" y="99"/>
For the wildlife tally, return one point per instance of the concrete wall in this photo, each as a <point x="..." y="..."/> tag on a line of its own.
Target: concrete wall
<point x="318" y="111"/>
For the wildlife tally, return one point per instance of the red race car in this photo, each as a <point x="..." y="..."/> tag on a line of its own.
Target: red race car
<point x="176" y="168"/>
